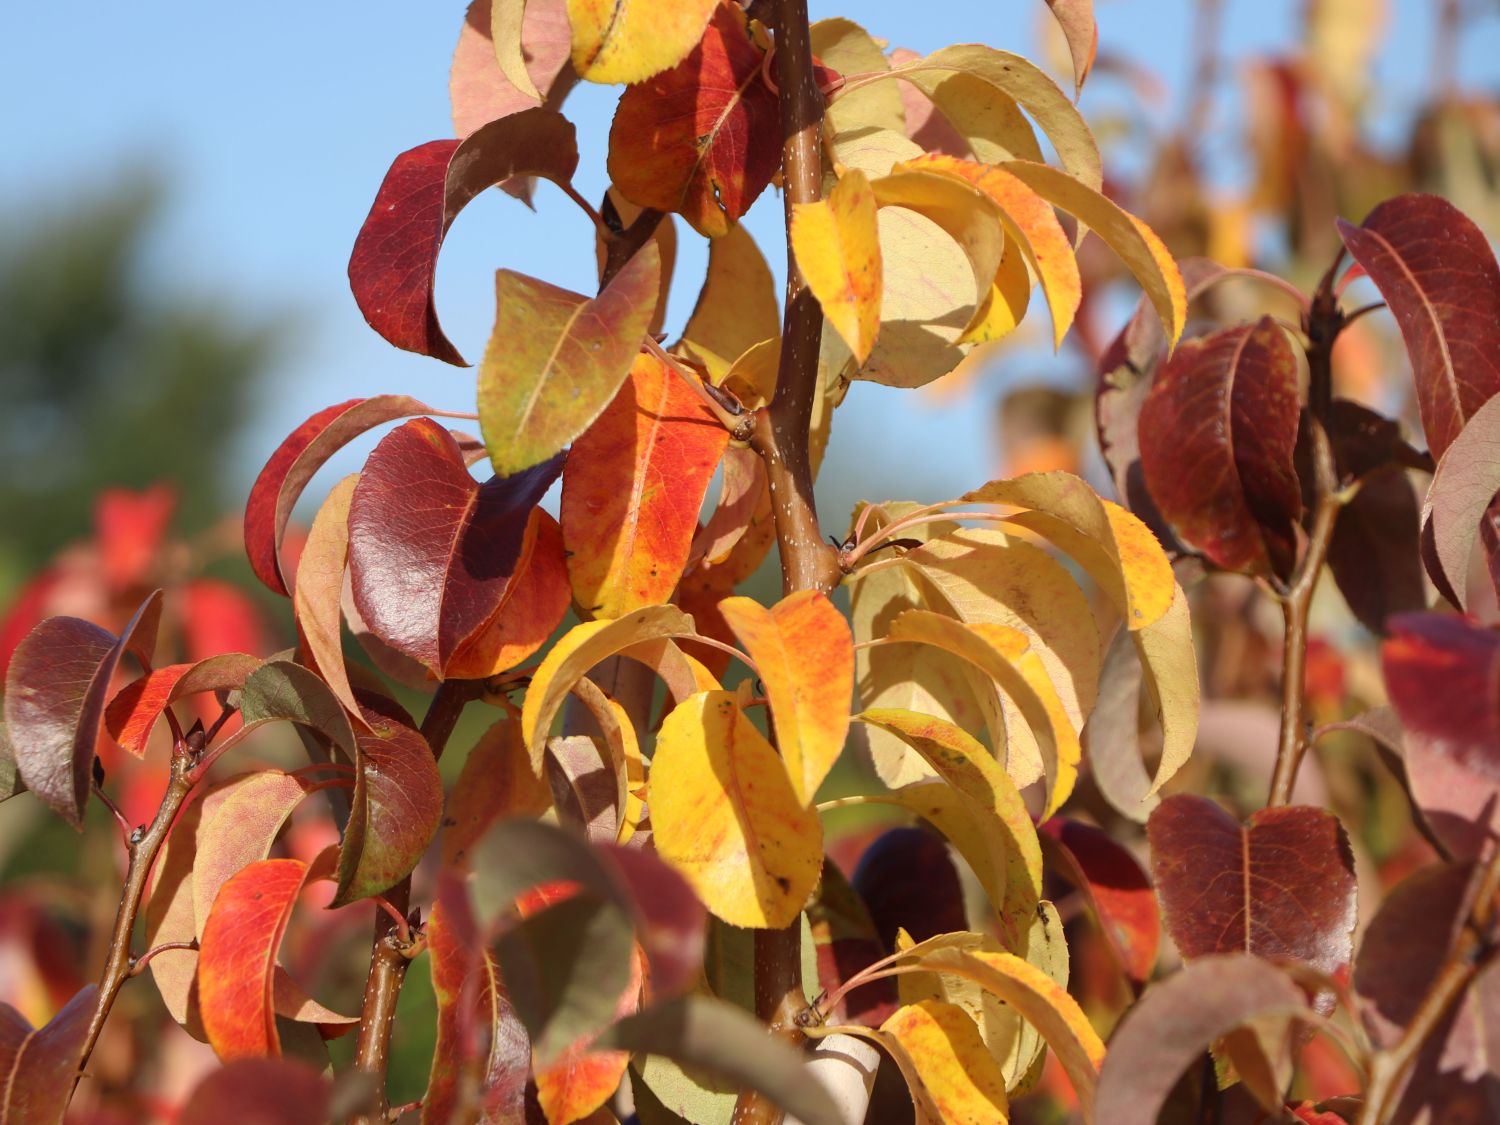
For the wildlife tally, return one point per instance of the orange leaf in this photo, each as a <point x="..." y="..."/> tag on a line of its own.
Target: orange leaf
<point x="837" y="244"/>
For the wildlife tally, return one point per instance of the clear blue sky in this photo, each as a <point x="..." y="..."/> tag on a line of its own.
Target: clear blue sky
<point x="276" y="121"/>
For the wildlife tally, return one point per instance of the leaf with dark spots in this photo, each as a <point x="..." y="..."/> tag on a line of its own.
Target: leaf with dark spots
<point x="907" y="880"/>
<point x="398" y="802"/>
<point x="1443" y="677"/>
<point x="394" y="262"/>
<point x="38" y="1066"/>
<point x="1438" y="276"/>
<point x="1403" y="949"/>
<point x="431" y="551"/>
<point x="133" y="712"/>
<point x="303" y="452"/>
<point x="1280" y="886"/>
<point x="1217" y="434"/>
<point x="56" y="689"/>
<point x="260" y="1090"/>
<point x="1115" y="886"/>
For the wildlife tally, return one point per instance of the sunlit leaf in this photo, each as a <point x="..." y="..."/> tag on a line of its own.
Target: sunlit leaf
<point x="512" y="55"/>
<point x="737" y="307"/>
<point x="615" y="42"/>
<point x="837" y="243"/>
<point x="318" y="592"/>
<point x="1076" y="18"/>
<point x="1466" y="481"/>
<point x="949" y="1060"/>
<point x="280" y="691"/>
<point x="132" y="713"/>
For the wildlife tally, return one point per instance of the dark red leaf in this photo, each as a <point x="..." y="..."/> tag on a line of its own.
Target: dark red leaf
<point x="1403" y="949"/>
<point x="1438" y="275"/>
<point x="253" y="1091"/>
<point x="1280" y="887"/>
<point x="128" y="528"/>
<point x="431" y="551"/>
<point x="38" y="1067"/>
<point x="1114" y="885"/>
<point x="394" y="262"/>
<point x="55" y="694"/>
<point x="1443" y="676"/>
<point x="1217" y="434"/>
<point x="1373" y="553"/>
<point x="907" y="880"/>
<point x="846" y="941"/>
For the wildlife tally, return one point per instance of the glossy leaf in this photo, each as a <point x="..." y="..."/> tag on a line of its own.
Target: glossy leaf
<point x="1225" y="478"/>
<point x="737" y="307"/>
<point x="432" y="552"/>
<point x="837" y="244"/>
<point x="512" y="55"/>
<point x="1465" y="484"/>
<point x="254" y="1089"/>
<point x="394" y="262"/>
<point x="1443" y="676"/>
<point x="1178" y="1019"/>
<point x="1438" y="276"/>
<point x="1076" y="18"/>
<point x="1115" y="887"/>
<point x="56" y="689"/>
<point x="556" y="359"/>
<point x="632" y="490"/>
<point x="1280" y="886"/>
<point x="946" y="1056"/>
<point x="722" y="807"/>
<point x="39" y="1066"/>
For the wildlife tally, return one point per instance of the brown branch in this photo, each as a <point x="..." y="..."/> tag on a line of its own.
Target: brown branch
<point x="1388" y="1068"/>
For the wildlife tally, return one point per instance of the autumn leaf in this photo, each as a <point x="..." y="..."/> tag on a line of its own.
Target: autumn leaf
<point x="1462" y="489"/>
<point x="132" y="714"/>
<point x="737" y="306"/>
<point x="252" y="1089"/>
<point x="837" y="244"/>
<point x="1076" y="18"/>
<point x="317" y="597"/>
<point x="1115" y="887"/>
<point x="628" y="43"/>
<point x="947" y="1061"/>
<point x="723" y="807"/>
<point x="40" y="1065"/>
<point x="804" y="653"/>
<point x="511" y="55"/>
<point x="556" y="359"/>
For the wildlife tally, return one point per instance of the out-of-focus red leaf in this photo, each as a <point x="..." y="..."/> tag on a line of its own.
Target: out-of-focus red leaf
<point x="301" y="454"/>
<point x="1438" y="275"/>
<point x="704" y="138"/>
<point x="669" y="920"/>
<point x="133" y="712"/>
<point x="217" y="617"/>
<point x="1176" y="1020"/>
<point x="1112" y="881"/>
<point x="582" y="1079"/>
<point x="128" y="529"/>
<point x="846" y="941"/>
<point x="398" y="802"/>
<point x="478" y="89"/>
<point x="907" y="880"/>
<point x="431" y="551"/>
<point x="25" y="613"/>
<point x="253" y="1091"/>
<point x="38" y="1066"/>
<point x="632" y="490"/>
<point x="55" y="694"/>
<point x="1406" y="945"/>
<point x="1443" y="676"/>
<point x="1280" y="887"/>
<point x="394" y="262"/>
<point x="1217" y="433"/>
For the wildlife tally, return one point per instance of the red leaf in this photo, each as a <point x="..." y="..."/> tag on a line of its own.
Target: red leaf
<point x="1217" y="434"/>
<point x="55" y="693"/>
<point x="1115" y="886"/>
<point x="128" y="528"/>
<point x="394" y="262"/>
<point x="1438" y="275"/>
<point x="217" y="618"/>
<point x="1280" y="887"/>
<point x="432" y="552"/>
<point x="38" y="1067"/>
<point x="1443" y="676"/>
<point x="253" y="1091"/>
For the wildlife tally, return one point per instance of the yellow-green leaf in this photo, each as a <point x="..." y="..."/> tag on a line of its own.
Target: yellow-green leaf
<point x="723" y="812"/>
<point x="630" y="40"/>
<point x="949" y="1060"/>
<point x="556" y="359"/>
<point x="805" y="654"/>
<point x="837" y="244"/>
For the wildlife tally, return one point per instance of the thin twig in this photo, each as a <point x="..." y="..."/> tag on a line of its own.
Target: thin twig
<point x="124" y="825"/>
<point x="139" y="963"/>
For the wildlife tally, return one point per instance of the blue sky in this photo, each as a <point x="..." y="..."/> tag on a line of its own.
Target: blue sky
<point x="275" y="123"/>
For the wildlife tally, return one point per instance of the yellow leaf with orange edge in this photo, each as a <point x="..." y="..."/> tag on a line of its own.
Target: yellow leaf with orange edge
<point x="724" y="814"/>
<point x="737" y="306"/>
<point x="950" y="1060"/>
<point x="804" y="652"/>
<point x="837" y="244"/>
<point x="628" y="43"/>
<point x="1136" y="244"/>
<point x="578" y="650"/>
<point x="1004" y="654"/>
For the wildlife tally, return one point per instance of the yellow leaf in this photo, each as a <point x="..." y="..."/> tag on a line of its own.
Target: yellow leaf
<point x="751" y="378"/>
<point x="927" y="296"/>
<point x="849" y="120"/>
<point x="1005" y="655"/>
<point x="723" y="812"/>
<point x="837" y="244"/>
<point x="1002" y="311"/>
<point x="987" y="120"/>
<point x="1137" y="245"/>
<point x="1032" y="224"/>
<point x="737" y="306"/>
<point x="950" y="1061"/>
<point x="615" y="41"/>
<point x="805" y="653"/>
<point x="970" y="769"/>
<point x="578" y="650"/>
<point x="1170" y="668"/>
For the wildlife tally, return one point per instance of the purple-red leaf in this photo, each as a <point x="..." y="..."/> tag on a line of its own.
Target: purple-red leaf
<point x="1443" y="676"/>
<point x="394" y="263"/>
<point x="1459" y="502"/>
<point x="55" y="694"/>
<point x="38" y="1067"/>
<point x="255" y="1091"/>
<point x="907" y="880"/>
<point x="1438" y="275"/>
<point x="1112" y="881"/>
<point x="431" y="551"/>
<point x="1217" y="434"/>
<point x="1281" y="887"/>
